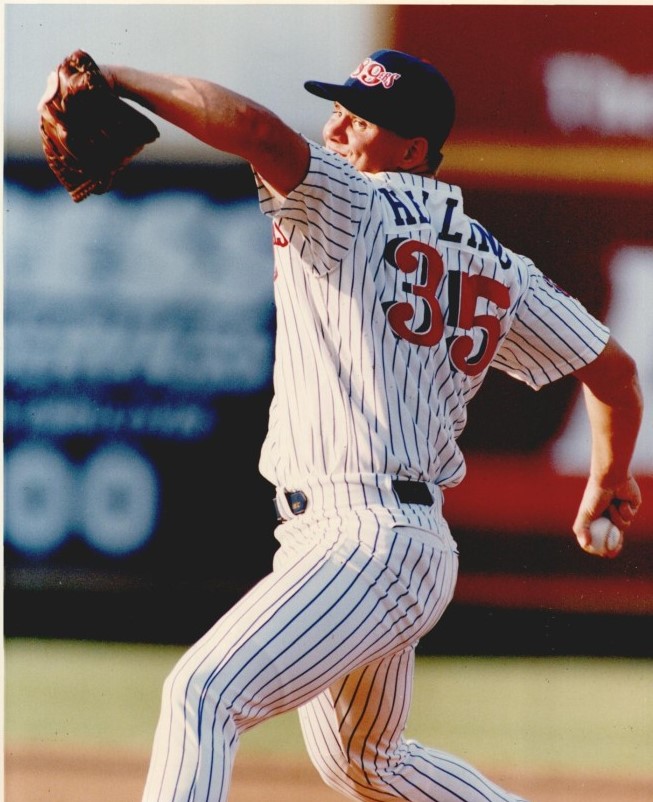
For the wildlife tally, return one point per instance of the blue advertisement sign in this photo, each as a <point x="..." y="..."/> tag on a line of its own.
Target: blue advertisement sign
<point x="125" y="324"/>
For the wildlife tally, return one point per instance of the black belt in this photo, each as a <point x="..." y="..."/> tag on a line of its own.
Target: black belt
<point x="410" y="492"/>
<point x="407" y="490"/>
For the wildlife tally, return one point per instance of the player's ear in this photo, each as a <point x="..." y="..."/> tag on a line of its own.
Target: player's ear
<point x="415" y="153"/>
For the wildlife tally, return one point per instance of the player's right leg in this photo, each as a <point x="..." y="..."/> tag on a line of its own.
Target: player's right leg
<point x="354" y="734"/>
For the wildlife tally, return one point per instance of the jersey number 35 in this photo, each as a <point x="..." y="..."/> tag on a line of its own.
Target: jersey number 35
<point x="463" y="292"/>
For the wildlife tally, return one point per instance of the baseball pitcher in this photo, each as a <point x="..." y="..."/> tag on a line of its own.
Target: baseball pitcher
<point x="392" y="305"/>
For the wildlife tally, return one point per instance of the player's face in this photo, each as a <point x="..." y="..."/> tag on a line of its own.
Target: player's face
<point x="368" y="147"/>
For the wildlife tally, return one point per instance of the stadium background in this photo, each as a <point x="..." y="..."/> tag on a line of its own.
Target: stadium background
<point x="138" y="325"/>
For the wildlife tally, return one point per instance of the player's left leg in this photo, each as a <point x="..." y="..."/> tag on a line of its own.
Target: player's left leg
<point x="354" y="735"/>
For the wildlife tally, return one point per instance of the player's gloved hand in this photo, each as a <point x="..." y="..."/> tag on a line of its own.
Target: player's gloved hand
<point x="89" y="134"/>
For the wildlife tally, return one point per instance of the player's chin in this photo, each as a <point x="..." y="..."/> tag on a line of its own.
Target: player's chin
<point x="334" y="149"/>
<point x="348" y="157"/>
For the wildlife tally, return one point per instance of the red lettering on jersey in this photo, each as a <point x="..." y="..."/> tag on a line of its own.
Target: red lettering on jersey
<point x="371" y="73"/>
<point x="278" y="237"/>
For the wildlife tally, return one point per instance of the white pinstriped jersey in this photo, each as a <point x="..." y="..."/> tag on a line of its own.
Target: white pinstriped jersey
<point x="391" y="306"/>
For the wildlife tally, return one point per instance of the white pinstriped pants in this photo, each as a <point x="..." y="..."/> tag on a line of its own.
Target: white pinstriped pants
<point x="331" y="631"/>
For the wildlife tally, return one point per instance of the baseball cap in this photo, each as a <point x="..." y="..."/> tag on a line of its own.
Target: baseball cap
<point x="397" y="91"/>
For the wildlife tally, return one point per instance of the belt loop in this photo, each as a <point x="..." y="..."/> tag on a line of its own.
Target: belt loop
<point x="277" y="510"/>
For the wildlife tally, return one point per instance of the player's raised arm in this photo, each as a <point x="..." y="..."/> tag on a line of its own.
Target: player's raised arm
<point x="222" y="119"/>
<point x="614" y="404"/>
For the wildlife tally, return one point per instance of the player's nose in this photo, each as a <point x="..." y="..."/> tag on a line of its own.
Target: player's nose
<point x="335" y="129"/>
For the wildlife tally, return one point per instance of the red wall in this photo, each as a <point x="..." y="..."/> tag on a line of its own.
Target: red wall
<point x="494" y="56"/>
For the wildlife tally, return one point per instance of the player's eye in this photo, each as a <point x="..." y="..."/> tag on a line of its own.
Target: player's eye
<point x="360" y="124"/>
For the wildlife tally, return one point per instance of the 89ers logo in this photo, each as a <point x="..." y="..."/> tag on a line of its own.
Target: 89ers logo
<point x="371" y="73"/>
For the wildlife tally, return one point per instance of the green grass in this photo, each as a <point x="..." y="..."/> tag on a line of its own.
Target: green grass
<point x="541" y="713"/>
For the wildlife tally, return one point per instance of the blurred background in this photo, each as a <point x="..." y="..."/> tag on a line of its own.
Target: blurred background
<point x="138" y="329"/>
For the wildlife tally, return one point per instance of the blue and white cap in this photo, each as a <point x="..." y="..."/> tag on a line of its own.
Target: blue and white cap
<point x="399" y="92"/>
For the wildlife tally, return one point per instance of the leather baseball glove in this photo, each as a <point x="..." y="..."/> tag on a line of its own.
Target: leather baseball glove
<point x="89" y="134"/>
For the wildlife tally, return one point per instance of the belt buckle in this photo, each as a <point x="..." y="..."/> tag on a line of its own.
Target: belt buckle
<point x="297" y="501"/>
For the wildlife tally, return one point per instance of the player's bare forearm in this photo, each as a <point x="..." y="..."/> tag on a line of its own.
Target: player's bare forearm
<point x="222" y="119"/>
<point x="614" y="404"/>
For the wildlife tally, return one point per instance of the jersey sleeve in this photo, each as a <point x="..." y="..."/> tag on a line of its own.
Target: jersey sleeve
<point x="324" y="211"/>
<point x="552" y="334"/>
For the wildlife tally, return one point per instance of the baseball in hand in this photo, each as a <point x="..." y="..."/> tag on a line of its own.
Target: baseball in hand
<point x="607" y="539"/>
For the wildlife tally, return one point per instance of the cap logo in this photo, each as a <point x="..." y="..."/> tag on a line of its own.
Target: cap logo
<point x="372" y="73"/>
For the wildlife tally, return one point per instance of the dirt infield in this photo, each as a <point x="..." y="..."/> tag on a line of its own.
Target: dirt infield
<point x="49" y="774"/>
